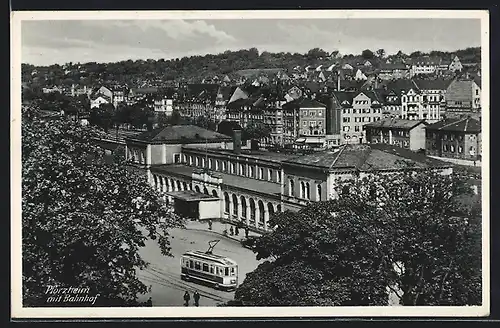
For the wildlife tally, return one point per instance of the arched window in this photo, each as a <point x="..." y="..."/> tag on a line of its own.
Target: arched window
<point x="235" y="205"/>
<point x="185" y="185"/>
<point x="318" y="192"/>
<point x="261" y="173"/>
<point x="224" y="166"/>
<point x="261" y="211"/>
<point x="270" y="209"/>
<point x="205" y="191"/>
<point x="243" y="207"/>
<point x="291" y="188"/>
<point x="252" y="209"/>
<point x="178" y="185"/>
<point x="242" y="169"/>
<point x="214" y="193"/>
<point x="251" y="171"/>
<point x="197" y="163"/>
<point x="233" y="168"/>
<point x="226" y="202"/>
<point x="197" y="189"/>
<point x="270" y="174"/>
<point x="155" y="181"/>
<point x="210" y="163"/>
<point x="302" y="189"/>
<point x="308" y="191"/>
<point x="217" y="165"/>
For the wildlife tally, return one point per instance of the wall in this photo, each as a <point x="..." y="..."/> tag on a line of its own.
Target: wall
<point x="210" y="210"/>
<point x="417" y="137"/>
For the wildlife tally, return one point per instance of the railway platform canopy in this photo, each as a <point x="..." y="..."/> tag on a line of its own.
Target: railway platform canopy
<point x="194" y="205"/>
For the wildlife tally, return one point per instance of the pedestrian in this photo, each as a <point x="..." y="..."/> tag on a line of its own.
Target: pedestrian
<point x="196" y="298"/>
<point x="231" y="230"/>
<point x="236" y="231"/>
<point x="209" y="224"/>
<point x="149" y="302"/>
<point x="186" y="298"/>
<point x="246" y="232"/>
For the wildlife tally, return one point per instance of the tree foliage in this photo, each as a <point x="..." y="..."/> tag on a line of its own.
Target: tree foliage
<point x="367" y="54"/>
<point x="256" y="131"/>
<point x="402" y="235"/>
<point x="84" y="218"/>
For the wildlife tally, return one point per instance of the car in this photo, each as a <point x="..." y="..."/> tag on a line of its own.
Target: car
<point x="249" y="242"/>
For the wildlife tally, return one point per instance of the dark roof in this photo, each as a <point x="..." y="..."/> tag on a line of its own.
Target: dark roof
<point x="464" y="124"/>
<point x="145" y="90"/>
<point x="204" y="90"/>
<point x="238" y="103"/>
<point x="180" y="134"/>
<point x="436" y="84"/>
<point x="303" y="103"/>
<point x="401" y="85"/>
<point x="395" y="123"/>
<point x="227" y="92"/>
<point x="343" y="96"/>
<point x="368" y="158"/>
<point x="392" y="66"/>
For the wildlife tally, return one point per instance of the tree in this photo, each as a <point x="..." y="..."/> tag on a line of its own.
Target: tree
<point x="380" y="53"/>
<point x="84" y="219"/>
<point x="406" y="235"/>
<point x="367" y="54"/>
<point x="316" y="53"/>
<point x="416" y="54"/>
<point x="256" y="131"/>
<point x="175" y="118"/>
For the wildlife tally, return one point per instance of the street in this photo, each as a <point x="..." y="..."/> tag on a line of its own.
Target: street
<point x="163" y="274"/>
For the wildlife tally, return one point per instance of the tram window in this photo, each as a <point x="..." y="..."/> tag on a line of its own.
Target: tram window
<point x="226" y="271"/>
<point x="197" y="265"/>
<point x="232" y="271"/>
<point x="205" y="267"/>
<point x="211" y="269"/>
<point x="186" y="262"/>
<point x="191" y="265"/>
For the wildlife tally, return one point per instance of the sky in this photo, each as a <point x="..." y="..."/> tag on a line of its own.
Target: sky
<point x="46" y="42"/>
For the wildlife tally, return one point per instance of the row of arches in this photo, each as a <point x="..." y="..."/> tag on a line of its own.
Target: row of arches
<point x="254" y="212"/>
<point x="235" y="207"/>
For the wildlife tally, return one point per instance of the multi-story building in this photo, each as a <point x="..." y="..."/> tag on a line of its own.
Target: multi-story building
<point x="96" y="100"/>
<point x="119" y="96"/>
<point x="393" y="71"/>
<point x="409" y="134"/>
<point x="217" y="179"/>
<point x="463" y="95"/>
<point x="432" y="97"/>
<point x="199" y="100"/>
<point x="424" y="65"/>
<point x="458" y="138"/>
<point x="455" y="65"/>
<point x="164" y="101"/>
<point x="304" y="118"/>
<point x="366" y="107"/>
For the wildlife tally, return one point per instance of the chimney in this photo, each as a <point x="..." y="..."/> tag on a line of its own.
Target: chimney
<point x="237" y="141"/>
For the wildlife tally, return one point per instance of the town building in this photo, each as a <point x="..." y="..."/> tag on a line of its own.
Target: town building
<point x="304" y="120"/>
<point x="455" y="65"/>
<point x="365" y="107"/>
<point x="96" y="100"/>
<point x="463" y="95"/>
<point x="424" y="65"/>
<point x="455" y="138"/>
<point x="432" y="97"/>
<point x="218" y="179"/>
<point x="408" y="134"/>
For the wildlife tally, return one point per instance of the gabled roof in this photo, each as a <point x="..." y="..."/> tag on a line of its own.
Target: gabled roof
<point x="303" y="103"/>
<point x="401" y="85"/>
<point x="435" y="84"/>
<point x="395" y="123"/>
<point x="464" y="124"/>
<point x="179" y="134"/>
<point x="206" y="90"/>
<point x="344" y="98"/>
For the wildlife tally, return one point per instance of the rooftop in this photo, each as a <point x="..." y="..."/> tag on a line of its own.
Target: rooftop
<point x="256" y="154"/>
<point x="395" y="123"/>
<point x="464" y="124"/>
<point x="180" y="134"/>
<point x="368" y="158"/>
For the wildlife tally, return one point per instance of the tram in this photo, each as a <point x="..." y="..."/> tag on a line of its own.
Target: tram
<point x="205" y="267"/>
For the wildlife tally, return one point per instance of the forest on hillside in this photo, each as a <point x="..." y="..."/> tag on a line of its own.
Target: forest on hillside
<point x="195" y="68"/>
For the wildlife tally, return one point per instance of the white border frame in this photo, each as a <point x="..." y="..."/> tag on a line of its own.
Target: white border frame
<point x="18" y="312"/>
